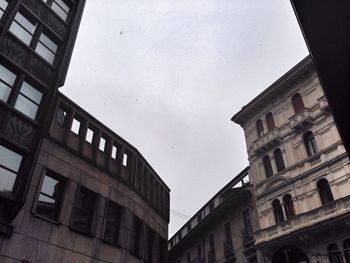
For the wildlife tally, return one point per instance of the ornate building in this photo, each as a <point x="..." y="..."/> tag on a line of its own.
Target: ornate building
<point x="300" y="172"/>
<point x="222" y="230"/>
<point x="71" y="190"/>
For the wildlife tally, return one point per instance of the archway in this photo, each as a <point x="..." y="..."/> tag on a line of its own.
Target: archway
<point x="290" y="255"/>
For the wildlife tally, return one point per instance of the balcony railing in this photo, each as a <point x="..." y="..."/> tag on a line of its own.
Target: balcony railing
<point x="248" y="238"/>
<point x="266" y="142"/>
<point x="307" y="219"/>
<point x="301" y="120"/>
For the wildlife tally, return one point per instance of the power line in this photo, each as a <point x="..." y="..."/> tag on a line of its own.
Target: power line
<point x="179" y="214"/>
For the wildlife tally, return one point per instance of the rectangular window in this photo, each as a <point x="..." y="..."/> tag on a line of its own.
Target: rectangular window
<point x="112" y="223"/>
<point x="61" y="116"/>
<point x="7" y="79"/>
<point x="136" y="235"/>
<point x="46" y="48"/>
<point x="89" y="135"/>
<point x="10" y="162"/>
<point x="75" y="126"/>
<point x="50" y="198"/>
<point x="28" y="100"/>
<point x="114" y="152"/>
<point x="61" y="9"/>
<point x="83" y="214"/>
<point x="228" y="233"/>
<point x="23" y="27"/>
<point x="3" y="5"/>
<point x="102" y="144"/>
<point x="125" y="159"/>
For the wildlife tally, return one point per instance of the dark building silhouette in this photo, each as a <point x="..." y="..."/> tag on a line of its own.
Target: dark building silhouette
<point x="71" y="190"/>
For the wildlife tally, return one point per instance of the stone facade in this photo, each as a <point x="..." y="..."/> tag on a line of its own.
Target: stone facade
<point x="222" y="231"/>
<point x="300" y="171"/>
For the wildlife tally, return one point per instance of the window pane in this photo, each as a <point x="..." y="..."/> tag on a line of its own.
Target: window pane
<point x="4" y="92"/>
<point x="45" y="53"/>
<point x="48" y="43"/>
<point x="125" y="159"/>
<point x="60" y="11"/>
<point x="31" y="92"/>
<point x="49" y="185"/>
<point x="102" y="144"/>
<point x="10" y="159"/>
<point x="61" y="116"/>
<point x="3" y="4"/>
<point x="75" y="126"/>
<point x="89" y="135"/>
<point x="7" y="76"/>
<point x="62" y="5"/>
<point x="26" y="106"/>
<point x="7" y="180"/>
<point x="22" y="28"/>
<point x="114" y="152"/>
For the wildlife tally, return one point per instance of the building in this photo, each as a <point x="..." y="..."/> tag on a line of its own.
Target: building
<point x="71" y="190"/>
<point x="300" y="172"/>
<point x="222" y="230"/>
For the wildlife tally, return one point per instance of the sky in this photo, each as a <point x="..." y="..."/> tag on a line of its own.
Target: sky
<point x="167" y="76"/>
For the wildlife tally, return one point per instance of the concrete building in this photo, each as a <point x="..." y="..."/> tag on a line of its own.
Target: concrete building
<point x="222" y="230"/>
<point x="300" y="172"/>
<point x="71" y="190"/>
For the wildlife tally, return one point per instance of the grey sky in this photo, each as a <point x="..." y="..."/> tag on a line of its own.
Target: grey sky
<point x="167" y="76"/>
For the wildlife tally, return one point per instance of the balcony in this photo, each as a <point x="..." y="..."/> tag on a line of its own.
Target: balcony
<point x="304" y="220"/>
<point x="301" y="120"/>
<point x="228" y="249"/>
<point x="248" y="238"/>
<point x="266" y="142"/>
<point x="323" y="104"/>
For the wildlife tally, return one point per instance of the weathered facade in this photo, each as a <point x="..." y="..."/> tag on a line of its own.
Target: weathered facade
<point x="300" y="171"/>
<point x="222" y="230"/>
<point x="71" y="190"/>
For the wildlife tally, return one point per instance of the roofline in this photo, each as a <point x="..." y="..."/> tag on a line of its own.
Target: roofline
<point x="282" y="81"/>
<point x="235" y="180"/>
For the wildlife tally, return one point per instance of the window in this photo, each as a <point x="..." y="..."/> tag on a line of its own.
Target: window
<point x="50" y="197"/>
<point x="267" y="166"/>
<point x="28" y="100"/>
<point x="125" y="159"/>
<point x="310" y="143"/>
<point x="270" y="121"/>
<point x="346" y="247"/>
<point x="3" y="5"/>
<point x="228" y="235"/>
<point x="136" y="235"/>
<point x="199" y="217"/>
<point x="259" y="128"/>
<point x="114" y="152"/>
<point x="247" y="222"/>
<point x="212" y="249"/>
<point x="83" y="213"/>
<point x="75" y="126"/>
<point x="199" y="251"/>
<point x="112" y="223"/>
<point x="277" y="210"/>
<point x="298" y="103"/>
<point x="102" y="144"/>
<point x="10" y="163"/>
<point x="211" y="206"/>
<point x="334" y="254"/>
<point x="7" y="80"/>
<point x="324" y="191"/>
<point x="279" y="159"/>
<point x="89" y="135"/>
<point x="61" y="9"/>
<point x="23" y="27"/>
<point x="46" y="48"/>
<point x="288" y="206"/>
<point x="61" y="116"/>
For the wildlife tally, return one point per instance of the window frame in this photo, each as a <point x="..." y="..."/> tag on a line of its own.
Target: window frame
<point x="90" y="231"/>
<point x="278" y="211"/>
<point x="280" y="165"/>
<point x="267" y="166"/>
<point x="69" y="4"/>
<point x="59" y="178"/>
<point x="298" y="103"/>
<point x="288" y="206"/>
<point x="116" y="233"/>
<point x="260" y="128"/>
<point x="270" y="121"/>
<point x="324" y="191"/>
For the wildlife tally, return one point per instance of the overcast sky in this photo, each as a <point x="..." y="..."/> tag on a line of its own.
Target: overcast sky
<point x="168" y="76"/>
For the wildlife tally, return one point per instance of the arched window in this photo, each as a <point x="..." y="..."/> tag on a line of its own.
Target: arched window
<point x="267" y="166"/>
<point x="298" y="103"/>
<point x="279" y="159"/>
<point x="270" y="121"/>
<point x="277" y="211"/>
<point x="310" y="143"/>
<point x="288" y="206"/>
<point x="260" y="128"/>
<point x="334" y="254"/>
<point x="324" y="191"/>
<point x="346" y="248"/>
